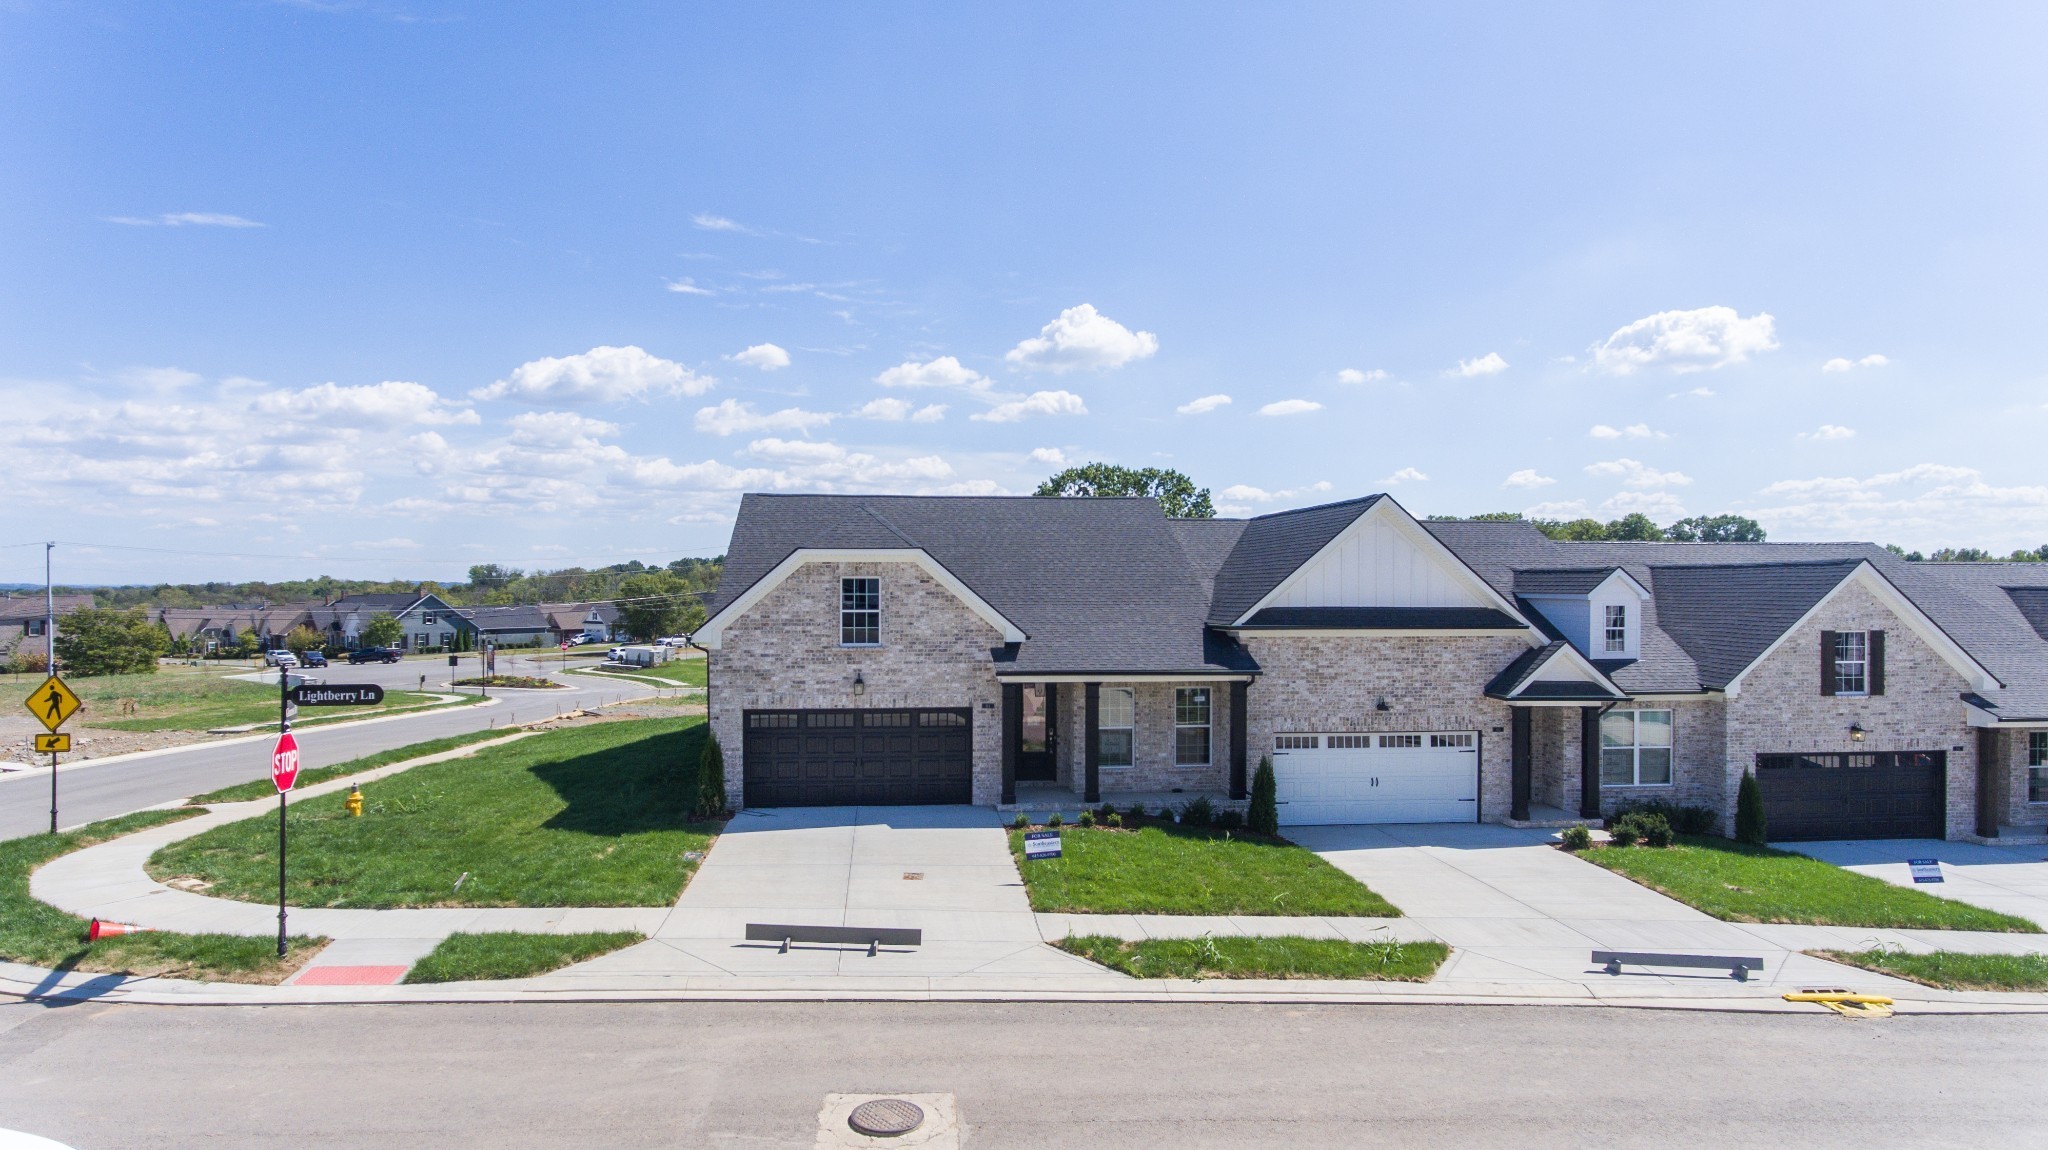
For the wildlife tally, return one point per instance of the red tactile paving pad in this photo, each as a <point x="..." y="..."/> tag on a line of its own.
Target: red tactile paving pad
<point x="349" y="976"/>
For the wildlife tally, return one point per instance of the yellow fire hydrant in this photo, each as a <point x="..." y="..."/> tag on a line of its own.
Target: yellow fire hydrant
<point x="354" y="803"/>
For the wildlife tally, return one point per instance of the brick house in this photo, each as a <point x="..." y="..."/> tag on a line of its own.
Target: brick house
<point x="22" y="622"/>
<point x="897" y="649"/>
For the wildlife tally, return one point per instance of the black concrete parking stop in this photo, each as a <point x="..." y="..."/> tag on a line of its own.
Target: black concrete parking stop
<point x="873" y="936"/>
<point x="1737" y="967"/>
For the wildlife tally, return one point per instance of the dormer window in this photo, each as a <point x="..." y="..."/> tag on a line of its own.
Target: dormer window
<point x="1617" y="628"/>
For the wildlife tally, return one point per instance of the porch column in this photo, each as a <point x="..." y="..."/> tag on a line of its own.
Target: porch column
<point x="1091" y="741"/>
<point x="1518" y="759"/>
<point x="1991" y="780"/>
<point x="1238" y="723"/>
<point x="1589" y="762"/>
<point x="1013" y="734"/>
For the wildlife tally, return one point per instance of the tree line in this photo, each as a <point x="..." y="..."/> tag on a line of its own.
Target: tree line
<point x="489" y="585"/>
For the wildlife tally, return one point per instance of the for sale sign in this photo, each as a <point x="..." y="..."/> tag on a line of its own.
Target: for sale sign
<point x="284" y="762"/>
<point x="1925" y="870"/>
<point x="1041" y="844"/>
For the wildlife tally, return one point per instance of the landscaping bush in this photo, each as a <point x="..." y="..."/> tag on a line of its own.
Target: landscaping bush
<point x="1054" y="820"/>
<point x="1199" y="813"/>
<point x="1749" y="812"/>
<point x="1136" y="813"/>
<point x="1230" y="820"/>
<point x="710" y="778"/>
<point x="30" y="663"/>
<point x="1022" y="822"/>
<point x="1265" y="813"/>
<point x="1086" y="818"/>
<point x="1576" y="838"/>
<point x="1621" y="835"/>
<point x="1684" y="820"/>
<point x="1113" y="821"/>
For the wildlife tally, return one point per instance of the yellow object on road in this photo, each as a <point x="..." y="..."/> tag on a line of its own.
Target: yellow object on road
<point x="1846" y="1003"/>
<point x="354" y="802"/>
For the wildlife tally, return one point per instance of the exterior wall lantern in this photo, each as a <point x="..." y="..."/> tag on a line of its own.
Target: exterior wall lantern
<point x="860" y="686"/>
<point x="1855" y="732"/>
<point x="1382" y="704"/>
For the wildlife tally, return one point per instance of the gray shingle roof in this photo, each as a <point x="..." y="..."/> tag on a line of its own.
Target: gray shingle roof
<point x="1560" y="581"/>
<point x="1383" y="619"/>
<point x="1272" y="547"/>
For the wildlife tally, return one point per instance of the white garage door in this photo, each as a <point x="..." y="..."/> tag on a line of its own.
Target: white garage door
<point x="1426" y="777"/>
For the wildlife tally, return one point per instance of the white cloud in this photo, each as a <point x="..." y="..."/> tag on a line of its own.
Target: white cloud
<point x="713" y="223"/>
<point x="1841" y="363"/>
<point x="945" y="371"/>
<point x="390" y="404"/>
<point x="1633" y="473"/>
<point x="732" y="416"/>
<point x="1202" y="406"/>
<point x="1051" y="456"/>
<point x="1353" y="375"/>
<point x="929" y="413"/>
<point x="1928" y="505"/>
<point x="1695" y="393"/>
<point x="1829" y="431"/>
<point x="1602" y="431"/>
<point x="1082" y="338"/>
<point x="187" y="219"/>
<point x="888" y="408"/>
<point x="1037" y="403"/>
<point x="1527" y="477"/>
<point x="1406" y="475"/>
<point x="1245" y="493"/>
<point x="559" y="429"/>
<point x="1659" y="505"/>
<point x="684" y="285"/>
<point x="600" y="375"/>
<point x="1632" y="431"/>
<point x="1572" y="509"/>
<point x="1489" y="364"/>
<point x="1242" y="493"/>
<point x="1290" y="407"/>
<point x="829" y="462"/>
<point x="1701" y="339"/>
<point x="765" y="356"/>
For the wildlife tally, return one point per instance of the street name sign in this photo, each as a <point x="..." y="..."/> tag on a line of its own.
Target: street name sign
<point x="284" y="762"/>
<point x="59" y="743"/>
<point x="337" y="695"/>
<point x="1925" y="870"/>
<point x="52" y="703"/>
<point x="1041" y="845"/>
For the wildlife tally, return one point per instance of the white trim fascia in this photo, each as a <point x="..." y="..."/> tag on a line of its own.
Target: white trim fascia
<point x="1122" y="677"/>
<point x="1882" y="589"/>
<point x="1421" y="537"/>
<point x="1572" y="703"/>
<point x="1642" y="592"/>
<point x="1379" y="632"/>
<point x="1977" y="716"/>
<point x="1584" y="665"/>
<point x="712" y="631"/>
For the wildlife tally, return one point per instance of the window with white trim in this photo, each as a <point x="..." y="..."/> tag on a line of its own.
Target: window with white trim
<point x="1635" y="749"/>
<point x="1852" y="662"/>
<point x="1116" y="712"/>
<point x="1617" y="628"/>
<point x="1191" y="726"/>
<point x="2037" y="766"/>
<point x="426" y="619"/>
<point x="860" y="612"/>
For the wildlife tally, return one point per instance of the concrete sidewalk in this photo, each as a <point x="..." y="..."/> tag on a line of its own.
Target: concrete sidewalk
<point x="2011" y="880"/>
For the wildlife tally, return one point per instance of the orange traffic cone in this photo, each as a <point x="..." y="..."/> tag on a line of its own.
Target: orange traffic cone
<point x="101" y="929"/>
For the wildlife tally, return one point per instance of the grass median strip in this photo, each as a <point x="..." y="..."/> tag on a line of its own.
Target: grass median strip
<point x="263" y="788"/>
<point x="681" y="672"/>
<point x="39" y="934"/>
<point x="588" y="815"/>
<point x="1743" y="883"/>
<point x="1279" y="957"/>
<point x="470" y="957"/>
<point x="1170" y="869"/>
<point x="1951" y="970"/>
<point x="183" y="699"/>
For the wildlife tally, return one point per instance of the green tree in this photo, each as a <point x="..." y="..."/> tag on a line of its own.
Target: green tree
<point x="383" y="630"/>
<point x="710" y="779"/>
<point x="655" y="603"/>
<point x="1264" y="817"/>
<point x="109" y="641"/>
<point x="491" y="576"/>
<point x="1749" y="811"/>
<point x="1177" y="494"/>
<point x="1716" y="529"/>
<point x="1635" y="527"/>
<point x="302" y="638"/>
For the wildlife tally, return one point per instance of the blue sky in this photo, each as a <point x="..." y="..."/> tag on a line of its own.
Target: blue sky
<point x="388" y="288"/>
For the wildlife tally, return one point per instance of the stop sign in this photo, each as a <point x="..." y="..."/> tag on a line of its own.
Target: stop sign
<point x="284" y="762"/>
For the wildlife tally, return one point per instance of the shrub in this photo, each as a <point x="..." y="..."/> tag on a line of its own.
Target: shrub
<point x="1577" y="838"/>
<point x="1137" y="813"/>
<point x="1086" y="819"/>
<point x="1103" y="812"/>
<point x="1112" y="820"/>
<point x="1265" y="813"/>
<point x="1230" y="820"/>
<point x="1199" y="813"/>
<point x="1685" y="820"/>
<point x="106" y="641"/>
<point x="1022" y="822"/>
<point x="1749" y="811"/>
<point x="710" y="778"/>
<point x="1649" y="826"/>
<point x="30" y="663"/>
<point x="1054" y="820"/>
<point x="1621" y="835"/>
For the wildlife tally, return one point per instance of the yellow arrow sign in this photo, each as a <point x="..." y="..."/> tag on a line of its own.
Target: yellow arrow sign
<point x="52" y="703"/>
<point x="53" y="744"/>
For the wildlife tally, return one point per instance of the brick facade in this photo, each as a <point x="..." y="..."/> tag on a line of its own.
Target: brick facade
<point x="1152" y="742"/>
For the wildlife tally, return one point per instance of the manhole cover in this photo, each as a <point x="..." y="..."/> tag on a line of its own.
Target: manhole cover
<point x="886" y="1117"/>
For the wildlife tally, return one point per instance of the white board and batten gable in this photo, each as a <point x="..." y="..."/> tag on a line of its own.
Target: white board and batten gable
<point x="1583" y="618"/>
<point x="1384" y="558"/>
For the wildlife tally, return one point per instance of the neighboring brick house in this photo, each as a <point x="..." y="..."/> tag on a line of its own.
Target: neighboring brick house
<point x="885" y="649"/>
<point x="23" y="619"/>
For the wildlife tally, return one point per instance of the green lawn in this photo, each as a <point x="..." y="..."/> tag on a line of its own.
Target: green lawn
<point x="1159" y="869"/>
<point x="1743" y="883"/>
<point x="1951" y="970"/>
<point x="41" y="935"/>
<point x="1282" y="957"/>
<point x="521" y="682"/>
<point x="188" y="699"/>
<point x="263" y="788"/>
<point x="588" y="815"/>
<point x="468" y="957"/>
<point x="681" y="672"/>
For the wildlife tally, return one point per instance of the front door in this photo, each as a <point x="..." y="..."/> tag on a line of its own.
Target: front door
<point x="1036" y="734"/>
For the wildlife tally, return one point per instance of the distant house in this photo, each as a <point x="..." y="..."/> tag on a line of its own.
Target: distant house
<point x="509" y="626"/>
<point x="211" y="626"/>
<point x="583" y="622"/>
<point x="431" y="624"/>
<point x="342" y="621"/>
<point x="22" y="619"/>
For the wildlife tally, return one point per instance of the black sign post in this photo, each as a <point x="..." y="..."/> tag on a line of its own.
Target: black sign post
<point x="337" y="694"/>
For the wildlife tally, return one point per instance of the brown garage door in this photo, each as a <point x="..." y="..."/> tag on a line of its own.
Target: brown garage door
<point x="859" y="757"/>
<point x="1857" y="795"/>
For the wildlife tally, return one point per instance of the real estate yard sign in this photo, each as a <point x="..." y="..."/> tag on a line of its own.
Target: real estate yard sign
<point x="1041" y="845"/>
<point x="1925" y="870"/>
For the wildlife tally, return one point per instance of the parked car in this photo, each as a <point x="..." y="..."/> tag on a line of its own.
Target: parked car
<point x="313" y="659"/>
<point x="373" y="655"/>
<point x="270" y="658"/>
<point x="676" y="641"/>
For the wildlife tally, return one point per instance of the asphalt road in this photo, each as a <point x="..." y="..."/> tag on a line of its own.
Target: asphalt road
<point x="756" y="1074"/>
<point x="89" y="791"/>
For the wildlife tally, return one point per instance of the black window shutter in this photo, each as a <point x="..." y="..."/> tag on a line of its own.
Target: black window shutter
<point x="1875" y="653"/>
<point x="1827" y="662"/>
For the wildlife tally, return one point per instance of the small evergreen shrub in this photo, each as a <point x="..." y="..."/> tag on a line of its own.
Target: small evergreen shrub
<point x="1576" y="838"/>
<point x="1054" y="820"/>
<point x="1749" y="811"/>
<point x="1685" y="820"/>
<point x="1621" y="835"/>
<point x="1086" y="819"/>
<point x="1022" y="822"/>
<point x="1113" y="821"/>
<point x="1265" y="813"/>
<point x="1136" y="814"/>
<point x="1230" y="820"/>
<point x="1103" y="812"/>
<point x="1199" y="813"/>
<point x="710" y="797"/>
<point x="1651" y="828"/>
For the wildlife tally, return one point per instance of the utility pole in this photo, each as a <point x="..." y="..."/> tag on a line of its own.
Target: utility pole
<point x="50" y="659"/>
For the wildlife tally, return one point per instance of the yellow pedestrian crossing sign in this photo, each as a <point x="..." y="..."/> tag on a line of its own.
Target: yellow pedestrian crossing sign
<point x="53" y="744"/>
<point x="52" y="703"/>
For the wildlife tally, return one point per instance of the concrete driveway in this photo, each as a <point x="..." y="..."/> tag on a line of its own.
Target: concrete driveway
<point x="2011" y="880"/>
